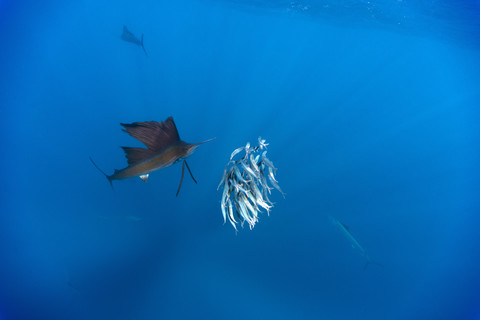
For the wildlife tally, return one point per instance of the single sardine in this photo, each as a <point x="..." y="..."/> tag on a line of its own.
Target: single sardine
<point x="235" y="152"/>
<point x="267" y="161"/>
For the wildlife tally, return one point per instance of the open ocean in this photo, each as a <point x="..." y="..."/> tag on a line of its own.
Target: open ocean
<point x="371" y="110"/>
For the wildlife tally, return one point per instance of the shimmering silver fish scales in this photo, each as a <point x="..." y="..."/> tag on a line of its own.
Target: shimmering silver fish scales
<point x="246" y="186"/>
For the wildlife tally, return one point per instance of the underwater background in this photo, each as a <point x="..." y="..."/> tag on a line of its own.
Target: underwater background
<point x="371" y="112"/>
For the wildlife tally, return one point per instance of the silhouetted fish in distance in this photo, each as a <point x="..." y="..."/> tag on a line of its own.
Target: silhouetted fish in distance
<point x="130" y="37"/>
<point x="355" y="244"/>
<point x="164" y="148"/>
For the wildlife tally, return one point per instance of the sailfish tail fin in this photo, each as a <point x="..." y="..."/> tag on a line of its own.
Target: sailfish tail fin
<point x="369" y="262"/>
<point x="366" y="265"/>
<point x="141" y="41"/>
<point x="106" y="176"/>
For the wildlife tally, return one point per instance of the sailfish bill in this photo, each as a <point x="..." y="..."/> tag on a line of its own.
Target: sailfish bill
<point x="164" y="148"/>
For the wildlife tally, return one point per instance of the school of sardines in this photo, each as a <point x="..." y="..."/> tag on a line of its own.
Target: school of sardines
<point x="245" y="186"/>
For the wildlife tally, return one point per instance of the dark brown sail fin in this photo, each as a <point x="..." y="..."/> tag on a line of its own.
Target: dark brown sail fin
<point x="155" y="135"/>
<point x="137" y="155"/>
<point x="181" y="179"/>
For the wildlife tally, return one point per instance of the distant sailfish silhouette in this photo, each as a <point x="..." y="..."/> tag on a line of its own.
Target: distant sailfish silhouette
<point x="130" y="37"/>
<point x="355" y="244"/>
<point x="164" y="148"/>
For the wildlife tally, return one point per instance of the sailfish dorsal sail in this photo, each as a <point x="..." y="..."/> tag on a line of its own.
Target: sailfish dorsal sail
<point x="156" y="136"/>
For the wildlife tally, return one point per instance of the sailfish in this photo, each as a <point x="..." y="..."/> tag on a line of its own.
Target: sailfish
<point x="164" y="148"/>
<point x="355" y="244"/>
<point x="130" y="37"/>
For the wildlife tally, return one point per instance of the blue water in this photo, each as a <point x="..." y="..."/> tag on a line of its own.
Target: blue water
<point x="371" y="109"/>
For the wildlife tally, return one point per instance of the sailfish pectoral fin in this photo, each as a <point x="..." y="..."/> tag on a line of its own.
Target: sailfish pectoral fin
<point x="183" y="172"/>
<point x="181" y="179"/>
<point x="191" y="175"/>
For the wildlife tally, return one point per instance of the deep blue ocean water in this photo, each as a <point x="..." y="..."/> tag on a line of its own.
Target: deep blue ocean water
<point x="371" y="109"/>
